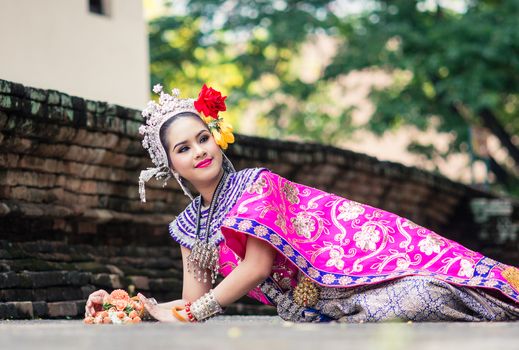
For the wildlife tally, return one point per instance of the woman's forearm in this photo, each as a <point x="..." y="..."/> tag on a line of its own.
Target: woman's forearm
<point x="252" y="270"/>
<point x="246" y="276"/>
<point x="192" y="289"/>
<point x="238" y="283"/>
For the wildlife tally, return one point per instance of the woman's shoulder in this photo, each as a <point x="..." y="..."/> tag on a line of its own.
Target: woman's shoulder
<point x="247" y="172"/>
<point x="183" y="227"/>
<point x="247" y="176"/>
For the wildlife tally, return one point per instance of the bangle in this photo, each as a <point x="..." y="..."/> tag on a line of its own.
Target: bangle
<point x="174" y="311"/>
<point x="205" y="306"/>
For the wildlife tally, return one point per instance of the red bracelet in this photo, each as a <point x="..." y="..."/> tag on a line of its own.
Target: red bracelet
<point x="189" y="313"/>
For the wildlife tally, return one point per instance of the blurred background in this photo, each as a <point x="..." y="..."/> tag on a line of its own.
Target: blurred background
<point x="433" y="84"/>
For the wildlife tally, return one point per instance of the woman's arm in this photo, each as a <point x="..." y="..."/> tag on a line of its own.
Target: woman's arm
<point x="254" y="269"/>
<point x="191" y="288"/>
<point x="251" y="271"/>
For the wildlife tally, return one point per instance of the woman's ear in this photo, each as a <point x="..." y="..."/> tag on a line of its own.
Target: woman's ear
<point x="171" y="168"/>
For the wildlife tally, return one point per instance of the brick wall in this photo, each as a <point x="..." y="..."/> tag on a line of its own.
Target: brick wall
<point x="71" y="220"/>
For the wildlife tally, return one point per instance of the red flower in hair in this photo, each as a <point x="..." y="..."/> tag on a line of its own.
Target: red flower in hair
<point x="210" y="102"/>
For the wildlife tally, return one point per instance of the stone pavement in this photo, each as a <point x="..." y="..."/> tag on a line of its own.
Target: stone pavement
<point x="257" y="332"/>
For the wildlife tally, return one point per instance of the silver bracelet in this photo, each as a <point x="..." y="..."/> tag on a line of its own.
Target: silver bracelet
<point x="205" y="306"/>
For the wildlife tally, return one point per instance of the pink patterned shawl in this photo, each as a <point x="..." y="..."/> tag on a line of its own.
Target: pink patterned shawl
<point x="338" y="242"/>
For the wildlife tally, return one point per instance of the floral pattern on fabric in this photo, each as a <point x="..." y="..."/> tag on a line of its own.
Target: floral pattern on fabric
<point x="410" y="298"/>
<point x="338" y="242"/>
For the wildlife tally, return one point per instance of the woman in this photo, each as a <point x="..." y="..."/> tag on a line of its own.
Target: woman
<point x="314" y="255"/>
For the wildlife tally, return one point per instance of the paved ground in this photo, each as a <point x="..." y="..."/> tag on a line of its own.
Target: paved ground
<point x="252" y="333"/>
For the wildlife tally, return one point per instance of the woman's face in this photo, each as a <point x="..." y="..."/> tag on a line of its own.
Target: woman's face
<point x="191" y="146"/>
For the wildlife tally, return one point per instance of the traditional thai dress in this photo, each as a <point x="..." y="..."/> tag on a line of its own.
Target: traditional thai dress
<point x="340" y="260"/>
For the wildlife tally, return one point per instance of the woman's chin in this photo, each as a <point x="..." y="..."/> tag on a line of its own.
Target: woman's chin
<point x="208" y="172"/>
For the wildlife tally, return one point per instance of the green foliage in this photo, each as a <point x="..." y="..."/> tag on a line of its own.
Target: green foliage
<point x="448" y="68"/>
<point x="462" y="64"/>
<point x="470" y="58"/>
<point x="257" y="42"/>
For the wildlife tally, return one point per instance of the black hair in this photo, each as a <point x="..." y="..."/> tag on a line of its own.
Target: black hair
<point x="164" y="129"/>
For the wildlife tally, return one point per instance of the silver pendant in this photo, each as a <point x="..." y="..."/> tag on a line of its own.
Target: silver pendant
<point x="203" y="257"/>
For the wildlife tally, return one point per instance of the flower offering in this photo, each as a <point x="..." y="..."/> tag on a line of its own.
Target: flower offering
<point x="118" y="308"/>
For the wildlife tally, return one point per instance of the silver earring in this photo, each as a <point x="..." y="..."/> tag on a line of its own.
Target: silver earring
<point x="184" y="188"/>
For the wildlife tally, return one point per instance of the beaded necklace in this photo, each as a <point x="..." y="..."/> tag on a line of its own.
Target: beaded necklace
<point x="204" y="255"/>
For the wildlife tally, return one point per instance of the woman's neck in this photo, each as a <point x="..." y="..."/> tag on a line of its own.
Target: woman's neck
<point x="207" y="192"/>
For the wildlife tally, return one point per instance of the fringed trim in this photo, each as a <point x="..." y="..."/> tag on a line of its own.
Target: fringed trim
<point x="187" y="240"/>
<point x="182" y="238"/>
<point x="146" y="175"/>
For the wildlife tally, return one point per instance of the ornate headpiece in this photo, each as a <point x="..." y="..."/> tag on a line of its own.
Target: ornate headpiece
<point x="209" y="103"/>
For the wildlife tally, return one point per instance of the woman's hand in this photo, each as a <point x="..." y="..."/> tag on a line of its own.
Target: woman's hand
<point x="162" y="312"/>
<point x="170" y="304"/>
<point x="95" y="302"/>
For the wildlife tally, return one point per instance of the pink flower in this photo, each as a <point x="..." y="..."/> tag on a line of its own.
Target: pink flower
<point x="120" y="305"/>
<point x="101" y="314"/>
<point x="119" y="294"/>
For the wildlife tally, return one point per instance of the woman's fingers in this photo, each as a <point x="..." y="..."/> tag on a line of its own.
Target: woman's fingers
<point x="98" y="299"/>
<point x="94" y="299"/>
<point x="170" y="304"/>
<point x="89" y="308"/>
<point x="149" y="306"/>
<point x="155" y="310"/>
<point x="179" y="302"/>
<point x="99" y="295"/>
<point x="161" y="314"/>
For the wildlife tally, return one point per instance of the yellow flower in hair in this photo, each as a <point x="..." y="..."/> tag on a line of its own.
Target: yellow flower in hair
<point x="226" y="131"/>
<point x="228" y="137"/>
<point x="225" y="127"/>
<point x="219" y="139"/>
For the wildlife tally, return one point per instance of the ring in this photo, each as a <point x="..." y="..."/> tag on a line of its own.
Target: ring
<point x="153" y="301"/>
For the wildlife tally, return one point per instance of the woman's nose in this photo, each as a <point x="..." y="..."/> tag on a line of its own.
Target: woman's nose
<point x="200" y="151"/>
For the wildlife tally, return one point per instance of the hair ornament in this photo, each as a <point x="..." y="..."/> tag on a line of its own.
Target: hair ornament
<point x="209" y="103"/>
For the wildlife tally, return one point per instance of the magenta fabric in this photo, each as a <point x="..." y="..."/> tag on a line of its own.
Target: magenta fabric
<point x="338" y="242"/>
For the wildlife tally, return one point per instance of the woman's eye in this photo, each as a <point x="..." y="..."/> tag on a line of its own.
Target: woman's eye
<point x="204" y="138"/>
<point x="182" y="149"/>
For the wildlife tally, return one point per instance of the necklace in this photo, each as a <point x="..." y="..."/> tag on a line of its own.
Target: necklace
<point x="204" y="256"/>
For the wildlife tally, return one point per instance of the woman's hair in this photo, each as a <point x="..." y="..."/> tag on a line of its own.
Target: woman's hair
<point x="164" y="129"/>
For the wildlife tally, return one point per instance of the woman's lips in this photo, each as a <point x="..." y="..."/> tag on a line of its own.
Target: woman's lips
<point x="204" y="163"/>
